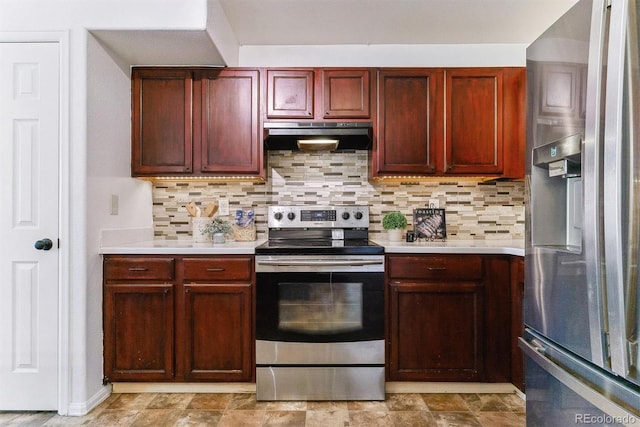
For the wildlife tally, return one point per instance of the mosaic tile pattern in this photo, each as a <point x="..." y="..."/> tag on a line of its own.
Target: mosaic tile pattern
<point x="474" y="210"/>
<point x="242" y="410"/>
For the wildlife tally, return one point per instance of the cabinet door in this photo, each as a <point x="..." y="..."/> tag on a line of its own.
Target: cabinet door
<point x="290" y="94"/>
<point x="497" y="318"/>
<point x="409" y="121"/>
<point x="230" y="137"/>
<point x="435" y="331"/>
<point x="218" y="332"/>
<point x="138" y="332"/>
<point x="346" y="94"/>
<point x="474" y="121"/>
<point x="161" y="122"/>
<point x="514" y="122"/>
<point x="517" y="323"/>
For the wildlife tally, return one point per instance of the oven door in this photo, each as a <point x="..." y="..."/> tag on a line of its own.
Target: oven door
<point x="320" y="307"/>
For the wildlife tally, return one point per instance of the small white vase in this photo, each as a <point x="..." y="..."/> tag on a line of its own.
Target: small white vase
<point x="198" y="224"/>
<point x="394" y="235"/>
<point x="218" y="238"/>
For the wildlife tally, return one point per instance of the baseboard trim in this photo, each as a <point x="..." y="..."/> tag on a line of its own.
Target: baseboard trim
<point x="448" y="387"/>
<point x="83" y="408"/>
<point x="184" y="387"/>
<point x="390" y="387"/>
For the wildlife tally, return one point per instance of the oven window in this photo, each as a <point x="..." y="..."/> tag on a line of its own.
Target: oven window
<point x="320" y="308"/>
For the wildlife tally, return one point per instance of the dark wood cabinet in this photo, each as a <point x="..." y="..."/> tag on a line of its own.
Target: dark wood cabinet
<point x="474" y="119"/>
<point x="290" y="94"/>
<point x="196" y="122"/>
<point x="517" y="321"/>
<point x="346" y="93"/>
<point x="443" y="320"/>
<point x="162" y="125"/>
<point x="458" y="122"/>
<point x="230" y="139"/>
<point x="178" y="318"/>
<point x="409" y="128"/>
<point x="218" y="295"/>
<point x="427" y="121"/>
<point x="138" y="318"/>
<point x="319" y="94"/>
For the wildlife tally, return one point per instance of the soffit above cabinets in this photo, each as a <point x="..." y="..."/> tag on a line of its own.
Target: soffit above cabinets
<point x="160" y="47"/>
<point x="362" y="22"/>
<point x="236" y="23"/>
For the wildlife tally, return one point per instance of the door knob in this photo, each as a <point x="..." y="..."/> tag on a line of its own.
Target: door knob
<point x="43" y="245"/>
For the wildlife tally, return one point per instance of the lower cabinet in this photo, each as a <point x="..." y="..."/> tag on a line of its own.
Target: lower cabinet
<point x="138" y="323"/>
<point x="178" y="319"/>
<point x="218" y="344"/>
<point x="448" y="318"/>
<point x="517" y="321"/>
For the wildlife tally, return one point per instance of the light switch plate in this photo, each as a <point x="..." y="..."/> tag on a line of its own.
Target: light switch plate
<point x="115" y="202"/>
<point x="434" y="203"/>
<point x="223" y="207"/>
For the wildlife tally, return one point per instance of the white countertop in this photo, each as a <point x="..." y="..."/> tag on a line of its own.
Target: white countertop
<point x="487" y="247"/>
<point x="181" y="247"/>
<point x="188" y="247"/>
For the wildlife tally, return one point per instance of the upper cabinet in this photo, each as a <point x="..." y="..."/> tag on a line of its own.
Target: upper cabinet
<point x="196" y="122"/>
<point x="318" y="94"/>
<point x="203" y="122"/>
<point x="162" y="127"/>
<point x="473" y="125"/>
<point x="409" y="121"/>
<point x="458" y="122"/>
<point x="229" y="131"/>
<point x="346" y="93"/>
<point x="290" y="94"/>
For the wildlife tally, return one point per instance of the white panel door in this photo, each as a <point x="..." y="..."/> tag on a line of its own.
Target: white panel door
<point x="29" y="279"/>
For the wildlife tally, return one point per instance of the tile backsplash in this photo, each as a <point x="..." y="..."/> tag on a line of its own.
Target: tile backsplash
<point x="474" y="210"/>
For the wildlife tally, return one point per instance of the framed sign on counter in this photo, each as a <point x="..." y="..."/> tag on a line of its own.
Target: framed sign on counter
<point x="430" y="224"/>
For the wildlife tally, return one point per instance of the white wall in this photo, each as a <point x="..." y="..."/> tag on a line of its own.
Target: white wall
<point x="108" y="173"/>
<point x="476" y="55"/>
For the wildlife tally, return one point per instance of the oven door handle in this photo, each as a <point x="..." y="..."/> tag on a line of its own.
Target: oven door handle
<point x="354" y="263"/>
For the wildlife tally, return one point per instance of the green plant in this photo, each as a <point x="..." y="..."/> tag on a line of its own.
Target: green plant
<point x="393" y="220"/>
<point x="217" y="225"/>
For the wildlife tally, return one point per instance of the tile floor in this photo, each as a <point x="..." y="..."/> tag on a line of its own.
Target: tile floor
<point x="236" y="409"/>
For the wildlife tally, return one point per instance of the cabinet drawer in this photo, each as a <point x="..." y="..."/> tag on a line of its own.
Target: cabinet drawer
<point x="142" y="268"/>
<point x="455" y="267"/>
<point x="218" y="269"/>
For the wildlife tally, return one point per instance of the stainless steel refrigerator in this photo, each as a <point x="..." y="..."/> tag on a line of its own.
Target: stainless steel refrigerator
<point x="581" y="299"/>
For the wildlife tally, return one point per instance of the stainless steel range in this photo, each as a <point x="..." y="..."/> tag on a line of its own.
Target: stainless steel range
<point x="320" y="306"/>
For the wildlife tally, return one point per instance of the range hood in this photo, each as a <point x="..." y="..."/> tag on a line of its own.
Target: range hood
<point x="318" y="136"/>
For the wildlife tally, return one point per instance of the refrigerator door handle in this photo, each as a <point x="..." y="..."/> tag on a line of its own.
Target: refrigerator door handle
<point x="622" y="217"/>
<point x="592" y="182"/>
<point x="574" y="383"/>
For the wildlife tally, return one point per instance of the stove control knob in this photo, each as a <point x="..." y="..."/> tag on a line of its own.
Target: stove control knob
<point x="345" y="215"/>
<point x="291" y="216"/>
<point x="278" y="216"/>
<point x="358" y="215"/>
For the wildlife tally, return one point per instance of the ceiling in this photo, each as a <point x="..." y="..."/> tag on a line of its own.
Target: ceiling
<point x="339" y="22"/>
<point x="329" y="22"/>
